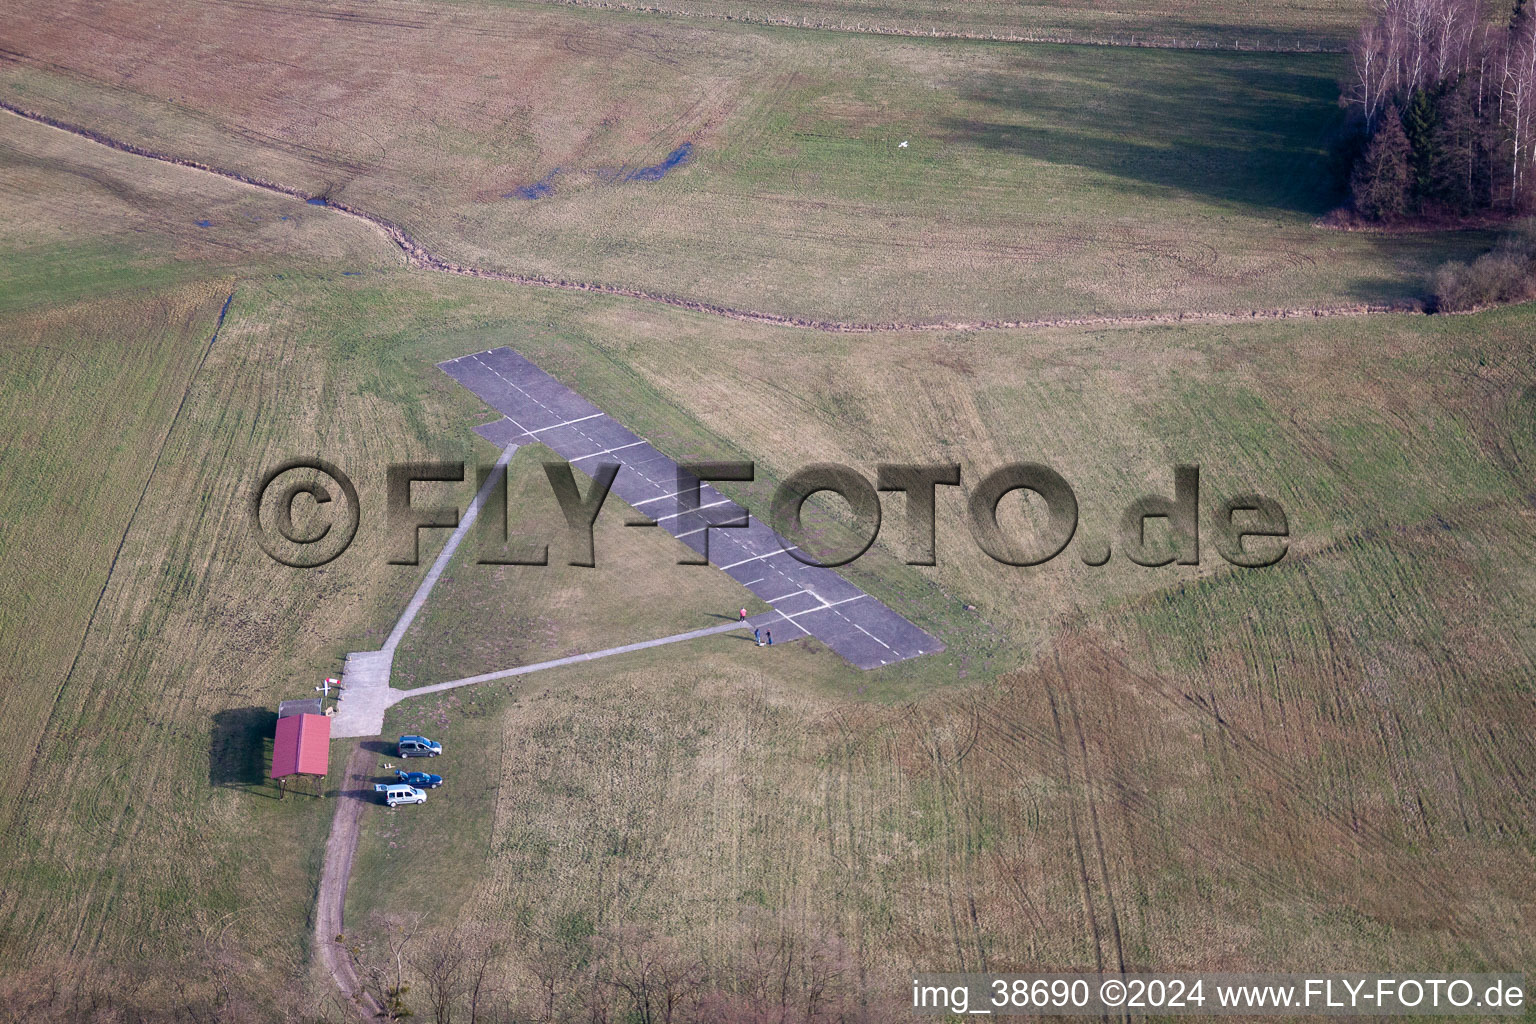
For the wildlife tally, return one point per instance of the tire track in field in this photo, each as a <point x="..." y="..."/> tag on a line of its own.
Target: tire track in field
<point x="943" y="753"/>
<point x="421" y="258"/>
<point x="1291" y="785"/>
<point x="1085" y="886"/>
<point x="1124" y="790"/>
<point x="1089" y="788"/>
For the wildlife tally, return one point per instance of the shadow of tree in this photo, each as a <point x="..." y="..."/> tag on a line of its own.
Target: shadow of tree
<point x="1253" y="129"/>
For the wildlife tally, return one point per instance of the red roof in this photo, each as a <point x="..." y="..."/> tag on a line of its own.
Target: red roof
<point x="303" y="746"/>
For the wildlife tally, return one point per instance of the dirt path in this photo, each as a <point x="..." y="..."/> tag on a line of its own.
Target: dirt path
<point x="334" y="876"/>
<point x="417" y="255"/>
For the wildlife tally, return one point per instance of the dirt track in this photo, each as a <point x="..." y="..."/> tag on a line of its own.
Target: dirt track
<point x="334" y="875"/>
<point x="417" y="255"/>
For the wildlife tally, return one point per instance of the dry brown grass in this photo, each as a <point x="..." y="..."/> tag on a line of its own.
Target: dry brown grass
<point x="1307" y="25"/>
<point x="145" y="860"/>
<point x="1039" y="181"/>
<point x="1224" y="788"/>
<point x="89" y="201"/>
<point x="1320" y="765"/>
<point x="1083" y="816"/>
<point x="1316" y="766"/>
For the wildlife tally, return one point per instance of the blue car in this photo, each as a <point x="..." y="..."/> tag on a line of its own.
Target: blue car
<point x="421" y="780"/>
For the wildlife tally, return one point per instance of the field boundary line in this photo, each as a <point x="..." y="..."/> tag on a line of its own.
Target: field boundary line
<point x="419" y="257"/>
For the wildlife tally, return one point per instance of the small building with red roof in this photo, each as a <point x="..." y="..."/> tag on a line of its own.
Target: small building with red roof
<point x="303" y="746"/>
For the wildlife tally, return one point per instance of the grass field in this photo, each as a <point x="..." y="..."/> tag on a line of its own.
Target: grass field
<point x="1114" y="804"/>
<point x="1306" y="25"/>
<point x="483" y="618"/>
<point x="1322" y="765"/>
<point x="127" y="742"/>
<point x="1038" y="181"/>
<point x="147" y="863"/>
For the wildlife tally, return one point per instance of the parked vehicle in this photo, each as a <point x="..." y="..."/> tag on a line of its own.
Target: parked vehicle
<point x="421" y="780"/>
<point x="396" y="793"/>
<point x="419" y="746"/>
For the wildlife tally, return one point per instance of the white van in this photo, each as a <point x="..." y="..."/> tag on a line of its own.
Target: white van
<point x="396" y="793"/>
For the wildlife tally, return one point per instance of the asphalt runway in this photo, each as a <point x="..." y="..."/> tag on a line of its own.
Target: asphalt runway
<point x="805" y="599"/>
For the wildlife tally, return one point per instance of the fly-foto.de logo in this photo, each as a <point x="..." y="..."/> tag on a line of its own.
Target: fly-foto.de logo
<point x="306" y="512"/>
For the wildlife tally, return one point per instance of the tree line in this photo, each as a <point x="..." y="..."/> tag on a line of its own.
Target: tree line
<point x="1443" y="94"/>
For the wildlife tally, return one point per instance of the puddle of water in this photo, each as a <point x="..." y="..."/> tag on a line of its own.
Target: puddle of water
<point x="351" y="273"/>
<point x="317" y="201"/>
<point x="538" y="190"/>
<point x="545" y="186"/>
<point x="656" y="172"/>
<point x="205" y="223"/>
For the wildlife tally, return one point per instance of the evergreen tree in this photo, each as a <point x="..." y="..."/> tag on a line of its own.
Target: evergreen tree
<point x="1421" y="123"/>
<point x="1453" y="178"/>
<point x="1382" y="181"/>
